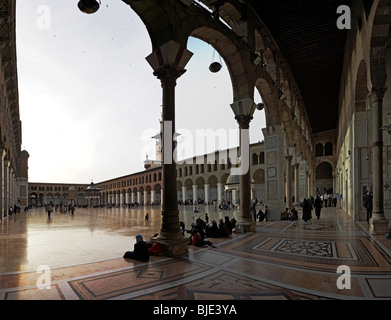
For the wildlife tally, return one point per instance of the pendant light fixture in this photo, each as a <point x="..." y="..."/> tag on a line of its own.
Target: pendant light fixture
<point x="89" y="6"/>
<point x="215" y="66"/>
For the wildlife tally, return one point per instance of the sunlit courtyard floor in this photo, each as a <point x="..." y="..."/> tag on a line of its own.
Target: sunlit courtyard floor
<point x="282" y="260"/>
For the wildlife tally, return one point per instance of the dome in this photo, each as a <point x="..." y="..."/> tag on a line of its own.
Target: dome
<point x="232" y="179"/>
<point x="92" y="186"/>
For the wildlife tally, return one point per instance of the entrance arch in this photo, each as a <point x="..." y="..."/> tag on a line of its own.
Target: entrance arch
<point x="324" y="178"/>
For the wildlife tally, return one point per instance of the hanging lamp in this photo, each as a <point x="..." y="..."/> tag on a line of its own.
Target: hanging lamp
<point x="89" y="6"/>
<point x="215" y="66"/>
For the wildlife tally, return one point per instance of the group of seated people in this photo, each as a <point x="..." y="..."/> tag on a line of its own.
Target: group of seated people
<point x="289" y="214"/>
<point x="200" y="230"/>
<point x="198" y="233"/>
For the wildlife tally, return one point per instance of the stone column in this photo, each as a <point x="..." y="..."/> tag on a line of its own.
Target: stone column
<point x="6" y="186"/>
<point x="127" y="198"/>
<point x="206" y="188"/>
<point x="296" y="163"/>
<point x="245" y="177"/>
<point x="234" y="199"/>
<point x="14" y="189"/>
<point x="168" y="62"/>
<point x="303" y="188"/>
<point x="121" y="199"/>
<point x="138" y="197"/>
<point x="184" y="192"/>
<point x="10" y="186"/>
<point x="2" y="196"/>
<point x="145" y="197"/>
<point x="219" y="193"/>
<point x="132" y="197"/>
<point x="195" y="198"/>
<point x="274" y="170"/>
<point x="288" y="168"/>
<point x="378" y="222"/>
<point x="152" y="196"/>
<point x="309" y="183"/>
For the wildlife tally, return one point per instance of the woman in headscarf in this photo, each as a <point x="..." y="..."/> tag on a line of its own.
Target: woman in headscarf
<point x="140" y="252"/>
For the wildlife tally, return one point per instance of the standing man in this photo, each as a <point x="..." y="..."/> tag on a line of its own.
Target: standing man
<point x="368" y="204"/>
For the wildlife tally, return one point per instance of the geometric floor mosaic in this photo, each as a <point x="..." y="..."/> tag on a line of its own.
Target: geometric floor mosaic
<point x="306" y="248"/>
<point x="282" y="260"/>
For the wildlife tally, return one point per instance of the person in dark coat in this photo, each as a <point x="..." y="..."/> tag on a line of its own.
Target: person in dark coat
<point x="318" y="206"/>
<point x="213" y="231"/>
<point x="368" y="204"/>
<point x="141" y="250"/>
<point x="229" y="224"/>
<point x="306" y="210"/>
<point x="224" y="232"/>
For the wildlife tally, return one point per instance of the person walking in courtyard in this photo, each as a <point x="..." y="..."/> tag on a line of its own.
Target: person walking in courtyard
<point x="368" y="204"/>
<point x="147" y="217"/>
<point x="318" y="206"/>
<point x="49" y="209"/>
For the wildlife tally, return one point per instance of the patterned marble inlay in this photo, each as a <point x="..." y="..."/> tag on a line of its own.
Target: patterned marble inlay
<point x="307" y="248"/>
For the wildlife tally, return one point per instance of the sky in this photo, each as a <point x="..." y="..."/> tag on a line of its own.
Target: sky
<point x="89" y="102"/>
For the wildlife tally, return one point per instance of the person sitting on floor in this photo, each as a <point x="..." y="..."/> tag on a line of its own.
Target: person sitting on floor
<point x="285" y="214"/>
<point x="199" y="242"/>
<point x="213" y="231"/>
<point x="293" y="214"/>
<point x="224" y="232"/>
<point x="141" y="250"/>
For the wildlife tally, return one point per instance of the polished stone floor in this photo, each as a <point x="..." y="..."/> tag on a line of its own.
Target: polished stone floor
<point x="81" y="256"/>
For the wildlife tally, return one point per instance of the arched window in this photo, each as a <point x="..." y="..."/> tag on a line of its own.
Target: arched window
<point x="319" y="150"/>
<point x="255" y="159"/>
<point x="262" y="158"/>
<point x="328" y="149"/>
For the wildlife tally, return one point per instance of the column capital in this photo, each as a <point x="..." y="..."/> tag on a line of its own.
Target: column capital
<point x="289" y="152"/>
<point x="244" y="110"/>
<point x="243" y="121"/>
<point x="296" y="160"/>
<point x="169" y="60"/>
<point x="377" y="94"/>
<point x="169" y="72"/>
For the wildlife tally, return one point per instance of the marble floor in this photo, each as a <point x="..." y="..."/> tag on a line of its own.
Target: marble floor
<point x="80" y="258"/>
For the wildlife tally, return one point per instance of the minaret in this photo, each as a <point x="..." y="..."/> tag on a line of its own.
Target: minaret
<point x="159" y="144"/>
<point x="148" y="164"/>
